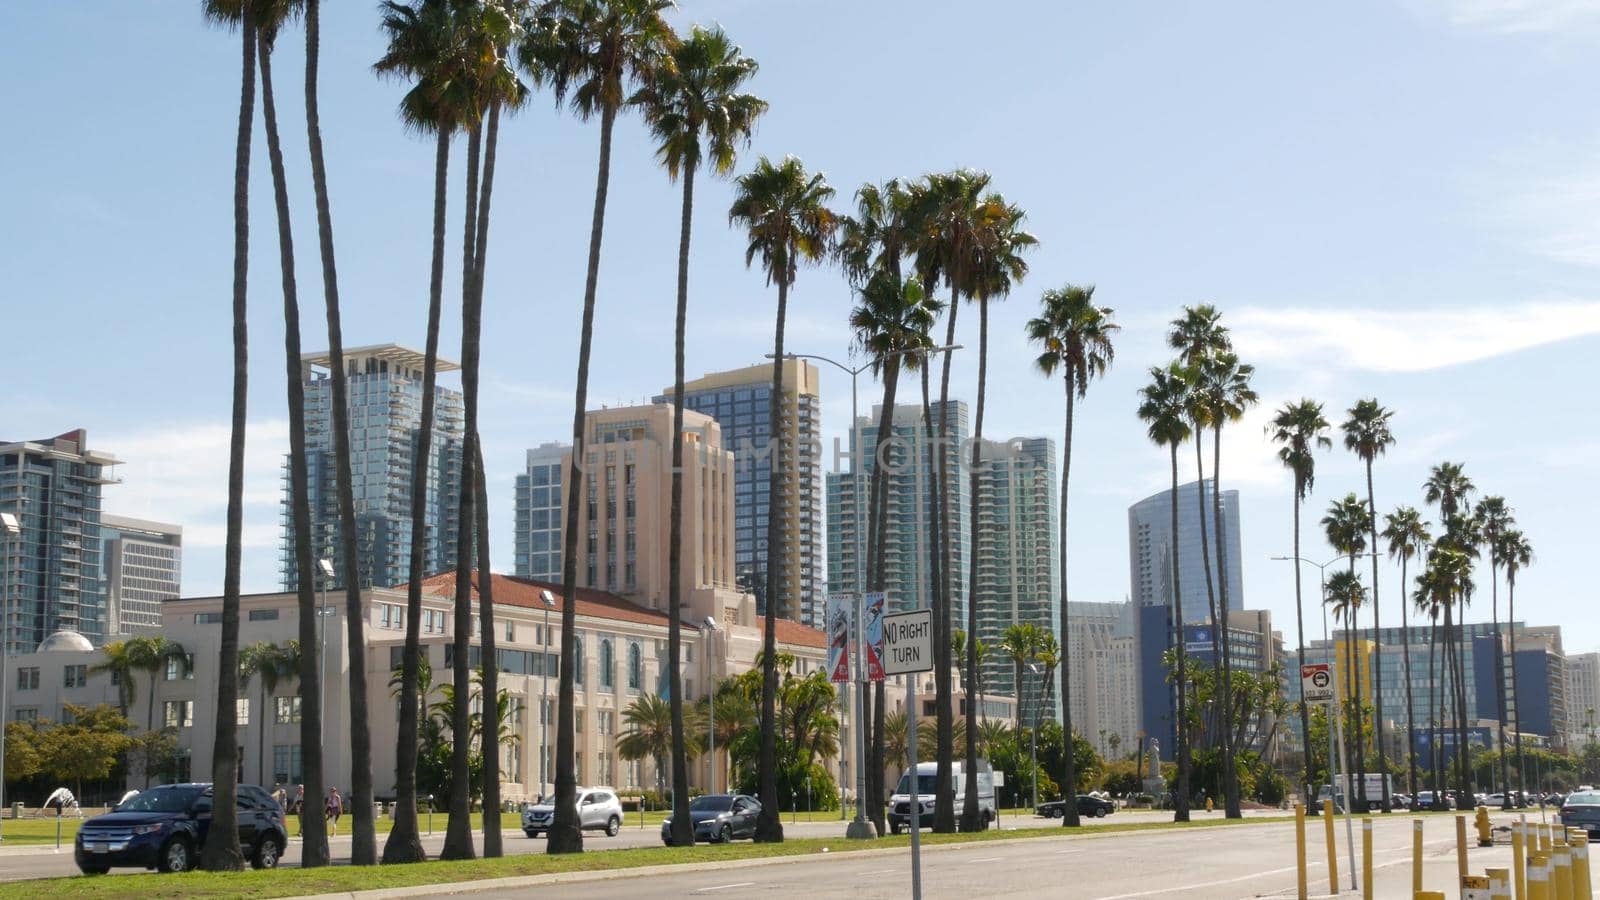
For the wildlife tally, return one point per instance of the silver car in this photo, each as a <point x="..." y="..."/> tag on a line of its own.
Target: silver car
<point x="598" y="810"/>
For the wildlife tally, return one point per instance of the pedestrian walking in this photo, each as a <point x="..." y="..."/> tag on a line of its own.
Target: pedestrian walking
<point x="332" y="809"/>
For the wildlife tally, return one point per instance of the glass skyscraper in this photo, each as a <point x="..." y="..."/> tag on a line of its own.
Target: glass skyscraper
<point x="52" y="572"/>
<point x="385" y="402"/>
<point x="1151" y="545"/>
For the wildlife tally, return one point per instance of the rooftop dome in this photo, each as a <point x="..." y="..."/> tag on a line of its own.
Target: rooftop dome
<point x="66" y="642"/>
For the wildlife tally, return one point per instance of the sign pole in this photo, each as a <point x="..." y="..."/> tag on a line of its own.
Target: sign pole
<point x="916" y="803"/>
<point x="907" y="650"/>
<point x="859" y="829"/>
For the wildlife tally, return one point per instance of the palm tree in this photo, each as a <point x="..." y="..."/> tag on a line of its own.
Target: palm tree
<point x="1224" y="383"/>
<point x="783" y="209"/>
<point x="1347" y="525"/>
<point x="1407" y="536"/>
<point x="896" y="747"/>
<point x="947" y="208"/>
<point x="1301" y="428"/>
<point x="1019" y="643"/>
<point x="1344" y="594"/>
<point x="697" y="113"/>
<point x="487" y="35"/>
<point x="426" y="46"/>
<point x="1516" y="554"/>
<point x="649" y="735"/>
<point x="120" y="662"/>
<point x="257" y="23"/>
<point x="1164" y="411"/>
<point x="1199" y="336"/>
<point x="588" y="52"/>
<point x="997" y="266"/>
<point x="1449" y="580"/>
<point x="363" y="851"/>
<point x="1496" y="518"/>
<point x="1074" y="336"/>
<point x="263" y="661"/>
<point x="1367" y="435"/>
<point x="1449" y="487"/>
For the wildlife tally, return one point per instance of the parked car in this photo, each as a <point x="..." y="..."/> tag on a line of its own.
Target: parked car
<point x="598" y="810"/>
<point x="927" y="774"/>
<point x="1582" y="810"/>
<point x="1088" y="805"/>
<point x="719" y="818"/>
<point x="164" y="828"/>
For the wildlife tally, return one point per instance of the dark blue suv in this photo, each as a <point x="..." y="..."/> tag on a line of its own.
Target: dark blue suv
<point x="165" y="827"/>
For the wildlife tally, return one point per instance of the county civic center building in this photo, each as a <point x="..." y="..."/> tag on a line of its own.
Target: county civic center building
<point x="622" y="654"/>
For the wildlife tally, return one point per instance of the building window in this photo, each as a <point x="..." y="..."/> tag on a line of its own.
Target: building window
<point x="178" y="713"/>
<point x="605" y="719"/>
<point x="511" y="630"/>
<point x="635" y="668"/>
<point x="208" y="618"/>
<point x="241" y="711"/>
<point x="263" y="615"/>
<point x="28" y="678"/>
<point x="287" y="710"/>
<point x="608" y="673"/>
<point x="577" y="659"/>
<point x="286" y="764"/>
<point x="74" y="676"/>
<point x="25" y="714"/>
<point x="174" y="668"/>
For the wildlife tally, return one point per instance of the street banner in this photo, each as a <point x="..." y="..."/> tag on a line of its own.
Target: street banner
<point x="840" y="616"/>
<point x="873" y="626"/>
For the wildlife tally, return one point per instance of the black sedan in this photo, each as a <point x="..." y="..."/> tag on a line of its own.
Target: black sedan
<point x="719" y="817"/>
<point x="1090" y="806"/>
<point x="1582" y="810"/>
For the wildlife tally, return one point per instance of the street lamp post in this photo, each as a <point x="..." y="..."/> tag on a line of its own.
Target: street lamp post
<point x="858" y="828"/>
<point x="711" y="704"/>
<point x="325" y="567"/>
<point x="549" y="602"/>
<point x="1069" y="792"/>
<point x="10" y="529"/>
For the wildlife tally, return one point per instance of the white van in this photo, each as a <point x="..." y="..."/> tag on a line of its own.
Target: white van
<point x="927" y="775"/>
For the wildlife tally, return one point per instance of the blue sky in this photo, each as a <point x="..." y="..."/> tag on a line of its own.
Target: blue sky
<point x="1390" y="198"/>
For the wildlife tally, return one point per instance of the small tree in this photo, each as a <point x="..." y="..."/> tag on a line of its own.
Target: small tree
<point x="88" y="748"/>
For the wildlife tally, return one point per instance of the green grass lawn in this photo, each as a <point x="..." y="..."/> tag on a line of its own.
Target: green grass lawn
<point x="291" y="882"/>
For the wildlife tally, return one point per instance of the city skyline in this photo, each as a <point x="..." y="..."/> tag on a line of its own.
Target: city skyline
<point x="1423" y="247"/>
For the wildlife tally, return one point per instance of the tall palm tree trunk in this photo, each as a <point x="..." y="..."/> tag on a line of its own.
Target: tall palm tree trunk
<point x="1411" y="709"/>
<point x="682" y="828"/>
<point x="405" y="844"/>
<point x="565" y="834"/>
<point x="769" y="825"/>
<point x="1230" y="772"/>
<point x="490" y="724"/>
<point x="458" y="828"/>
<point x="223" y="747"/>
<point x="1180" y="812"/>
<point x="1435" y="711"/>
<point x="363" y="848"/>
<point x="1500" y="687"/>
<point x="1300" y="631"/>
<point x="1468" y="776"/>
<point x="314" y="837"/>
<point x="1069" y="774"/>
<point x="878" y="518"/>
<point x="944" y="804"/>
<point x="969" y="811"/>
<point x="1214" y="714"/>
<point x="1516" y="711"/>
<point x="1377" y="648"/>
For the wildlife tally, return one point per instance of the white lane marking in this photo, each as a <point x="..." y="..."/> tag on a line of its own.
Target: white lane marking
<point x="1253" y="875"/>
<point x="723" y="887"/>
<point x="987" y="859"/>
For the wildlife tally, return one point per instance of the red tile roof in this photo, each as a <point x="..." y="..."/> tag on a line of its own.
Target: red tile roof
<point x="791" y="632"/>
<point x="524" y="592"/>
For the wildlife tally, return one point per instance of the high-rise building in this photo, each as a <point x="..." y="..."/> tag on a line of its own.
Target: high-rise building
<point x="1253" y="648"/>
<point x="1583" y="698"/>
<point x="1102" y="650"/>
<point x="910" y="553"/>
<point x="624" y="516"/>
<point x="1151" y="545"/>
<point x="143" y="567"/>
<point x="1018" y="558"/>
<point x="385" y="404"/>
<point x="739" y="401"/>
<point x="52" y="571"/>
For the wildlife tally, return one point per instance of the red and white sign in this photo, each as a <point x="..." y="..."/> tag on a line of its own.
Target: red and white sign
<point x="1316" y="683"/>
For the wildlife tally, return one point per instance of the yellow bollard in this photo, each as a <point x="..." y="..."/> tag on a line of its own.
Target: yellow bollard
<point x="1560" y="873"/>
<point x="1539" y="876"/>
<point x="1428" y="895"/>
<point x="1300" y="851"/>
<point x="1333" y="847"/>
<point x="1582" y="885"/>
<point x="1499" y="884"/>
<point x="1544" y="839"/>
<point x="1366" y="858"/>
<point x="1485" y="834"/>
<point x="1416" y="856"/>
<point x="1461" y="848"/>
<point x="1519" y="859"/>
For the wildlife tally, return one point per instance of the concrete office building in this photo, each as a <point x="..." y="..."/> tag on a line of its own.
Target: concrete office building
<point x="143" y="567"/>
<point x="1102" y="651"/>
<point x="739" y="401"/>
<point x="385" y="404"/>
<point x="1151" y="545"/>
<point x="910" y="553"/>
<point x="53" y="578"/>
<point x="624" y="517"/>
<point x="1583" y="698"/>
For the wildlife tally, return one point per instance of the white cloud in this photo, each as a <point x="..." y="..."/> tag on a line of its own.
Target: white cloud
<point x="1385" y="340"/>
<point x="178" y="473"/>
<point x="1552" y="213"/>
<point x="1516" y="16"/>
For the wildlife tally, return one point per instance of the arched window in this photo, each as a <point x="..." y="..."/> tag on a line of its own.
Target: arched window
<point x="635" y="668"/>
<point x="577" y="659"/>
<point x="607" y="665"/>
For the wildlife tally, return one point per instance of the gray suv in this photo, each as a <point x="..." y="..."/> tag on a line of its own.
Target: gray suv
<point x="598" y="810"/>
